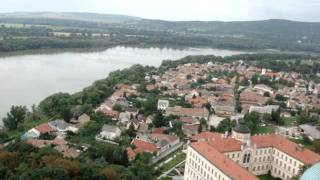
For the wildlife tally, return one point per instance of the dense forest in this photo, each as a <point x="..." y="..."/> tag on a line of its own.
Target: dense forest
<point x="21" y="31"/>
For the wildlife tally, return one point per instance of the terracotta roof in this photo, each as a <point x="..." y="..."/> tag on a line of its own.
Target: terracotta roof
<point x="228" y="144"/>
<point x="131" y="153"/>
<point x="192" y="127"/>
<point x="158" y="130"/>
<point x="168" y="138"/>
<point x="38" y="143"/>
<point x="59" y="141"/>
<point x="44" y="128"/>
<point x="206" y="136"/>
<point x="226" y="165"/>
<point x="143" y="146"/>
<point x="187" y="120"/>
<point x="304" y="155"/>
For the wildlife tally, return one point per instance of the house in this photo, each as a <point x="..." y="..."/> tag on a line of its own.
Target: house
<point x="214" y="121"/>
<point x="198" y="101"/>
<point x="251" y="97"/>
<point x="31" y="134"/>
<point x="164" y="141"/>
<point x="61" y="126"/>
<point x="163" y="104"/>
<point x="45" y="128"/>
<point x="191" y="112"/>
<point x="38" y="143"/>
<point x="141" y="146"/>
<point x="262" y="88"/>
<point x="188" y="120"/>
<point x="264" y="109"/>
<point x="110" y="132"/>
<point x="59" y="141"/>
<point x="81" y="121"/>
<point x="135" y="123"/>
<point x="143" y="128"/>
<point x="190" y="129"/>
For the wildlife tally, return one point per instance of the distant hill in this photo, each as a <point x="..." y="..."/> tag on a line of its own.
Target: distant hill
<point x="262" y="34"/>
<point x="92" y="17"/>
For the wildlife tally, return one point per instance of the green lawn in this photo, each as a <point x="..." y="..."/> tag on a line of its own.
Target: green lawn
<point x="267" y="177"/>
<point x="178" y="159"/>
<point x="290" y="121"/>
<point x="263" y="130"/>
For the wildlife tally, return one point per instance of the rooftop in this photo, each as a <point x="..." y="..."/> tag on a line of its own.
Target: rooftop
<point x="229" y="167"/>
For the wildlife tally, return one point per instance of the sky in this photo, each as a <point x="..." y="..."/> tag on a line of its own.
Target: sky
<point x="205" y="10"/>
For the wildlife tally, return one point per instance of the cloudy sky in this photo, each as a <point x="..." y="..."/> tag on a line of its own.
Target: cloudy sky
<point x="225" y="10"/>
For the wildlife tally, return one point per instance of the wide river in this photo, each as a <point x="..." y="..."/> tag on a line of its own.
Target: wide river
<point x="27" y="79"/>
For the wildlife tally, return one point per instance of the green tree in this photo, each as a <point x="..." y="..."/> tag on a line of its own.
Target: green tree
<point x="252" y="120"/>
<point x="158" y="120"/>
<point x="46" y="173"/>
<point x="6" y="173"/>
<point x="131" y="131"/>
<point x="15" y="117"/>
<point x="226" y="125"/>
<point x="110" y="174"/>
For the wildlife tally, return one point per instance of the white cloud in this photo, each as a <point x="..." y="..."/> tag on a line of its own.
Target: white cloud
<point x="225" y="10"/>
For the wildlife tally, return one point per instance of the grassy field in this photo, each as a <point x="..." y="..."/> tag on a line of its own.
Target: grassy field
<point x="178" y="159"/>
<point x="267" y="177"/>
<point x="264" y="130"/>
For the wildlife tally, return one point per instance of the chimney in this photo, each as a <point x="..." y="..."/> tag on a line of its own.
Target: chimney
<point x="300" y="147"/>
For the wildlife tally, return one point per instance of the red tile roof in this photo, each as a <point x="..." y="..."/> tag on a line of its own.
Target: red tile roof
<point x="304" y="155"/>
<point x="168" y="138"/>
<point x="226" y="165"/>
<point x="228" y="144"/>
<point x="59" y="141"/>
<point x="143" y="146"/>
<point x="131" y="153"/>
<point x="158" y="130"/>
<point x="38" y="143"/>
<point x="206" y="136"/>
<point x="45" y="128"/>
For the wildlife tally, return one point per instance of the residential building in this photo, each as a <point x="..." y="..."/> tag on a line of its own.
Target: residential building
<point x="110" y="132"/>
<point x="241" y="156"/>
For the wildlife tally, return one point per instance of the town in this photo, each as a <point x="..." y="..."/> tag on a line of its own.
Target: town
<point x="197" y="121"/>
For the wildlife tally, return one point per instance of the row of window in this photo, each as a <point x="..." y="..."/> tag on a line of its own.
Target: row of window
<point x="202" y="167"/>
<point x="279" y="173"/>
<point x="194" y="176"/>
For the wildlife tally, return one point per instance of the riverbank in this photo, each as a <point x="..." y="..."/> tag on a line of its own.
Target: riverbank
<point x="29" y="78"/>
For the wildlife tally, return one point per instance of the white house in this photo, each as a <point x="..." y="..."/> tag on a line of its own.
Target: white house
<point x="110" y="132"/>
<point x="163" y="104"/>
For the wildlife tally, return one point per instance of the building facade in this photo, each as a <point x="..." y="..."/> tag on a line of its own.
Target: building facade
<point x="239" y="156"/>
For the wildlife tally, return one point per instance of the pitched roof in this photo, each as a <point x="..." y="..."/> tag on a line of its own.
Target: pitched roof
<point x="38" y="143"/>
<point x="143" y="146"/>
<point x="110" y="128"/>
<point x="302" y="154"/>
<point x="131" y="153"/>
<point x="226" y="165"/>
<point x="228" y="144"/>
<point x="206" y="136"/>
<point x="166" y="137"/>
<point x="44" y="128"/>
<point x="59" y="141"/>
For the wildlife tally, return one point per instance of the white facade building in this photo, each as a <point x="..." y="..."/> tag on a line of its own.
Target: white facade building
<point x="240" y="156"/>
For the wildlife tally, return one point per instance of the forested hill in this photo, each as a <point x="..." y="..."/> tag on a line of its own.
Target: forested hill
<point x="91" y="17"/>
<point x="265" y="34"/>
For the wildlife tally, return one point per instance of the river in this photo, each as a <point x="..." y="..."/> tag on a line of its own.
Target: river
<point x="27" y="79"/>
